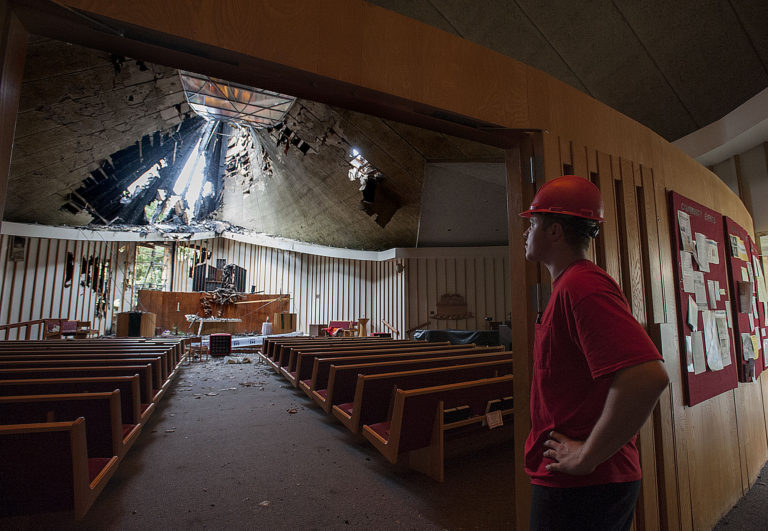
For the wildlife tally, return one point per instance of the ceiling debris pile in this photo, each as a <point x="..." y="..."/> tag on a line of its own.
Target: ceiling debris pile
<point x="171" y="177"/>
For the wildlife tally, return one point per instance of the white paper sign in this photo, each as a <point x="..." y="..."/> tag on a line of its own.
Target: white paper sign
<point x="700" y="289"/>
<point x="711" y="342"/>
<point x="686" y="266"/>
<point x="713" y="256"/>
<point x="693" y="314"/>
<point x="697" y="345"/>
<point x="686" y="234"/>
<point x="702" y="252"/>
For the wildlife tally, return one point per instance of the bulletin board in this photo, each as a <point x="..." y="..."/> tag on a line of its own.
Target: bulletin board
<point x="701" y="285"/>
<point x="748" y="301"/>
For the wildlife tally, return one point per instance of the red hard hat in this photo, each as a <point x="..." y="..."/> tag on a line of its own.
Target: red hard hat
<point x="568" y="195"/>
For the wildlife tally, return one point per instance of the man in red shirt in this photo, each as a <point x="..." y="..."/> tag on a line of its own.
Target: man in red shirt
<point x="596" y="373"/>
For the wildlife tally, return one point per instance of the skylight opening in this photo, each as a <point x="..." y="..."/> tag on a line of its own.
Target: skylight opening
<point x="151" y="174"/>
<point x="217" y="99"/>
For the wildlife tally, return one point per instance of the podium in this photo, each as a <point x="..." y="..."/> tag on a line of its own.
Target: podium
<point x="136" y="324"/>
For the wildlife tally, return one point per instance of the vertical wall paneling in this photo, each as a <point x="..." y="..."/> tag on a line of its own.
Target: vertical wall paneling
<point x="24" y="291"/>
<point x="609" y="231"/>
<point x="10" y="278"/>
<point x="53" y="258"/>
<point x="650" y="226"/>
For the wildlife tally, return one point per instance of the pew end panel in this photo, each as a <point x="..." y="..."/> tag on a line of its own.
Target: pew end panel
<point x="417" y="432"/>
<point x="51" y="469"/>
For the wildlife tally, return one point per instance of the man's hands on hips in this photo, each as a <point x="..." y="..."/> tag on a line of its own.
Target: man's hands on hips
<point x="567" y="455"/>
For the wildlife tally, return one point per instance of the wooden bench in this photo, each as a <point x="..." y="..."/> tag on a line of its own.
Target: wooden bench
<point x="144" y="372"/>
<point x="274" y="347"/>
<point x="161" y="373"/>
<point x="168" y="354"/>
<point x="46" y="467"/>
<point x="321" y="368"/>
<point x="372" y="391"/>
<point x="416" y="429"/>
<point x="289" y="364"/>
<point x="173" y="348"/>
<point x="59" y="362"/>
<point x="342" y="379"/>
<point x="132" y="410"/>
<point x="304" y="359"/>
<point x="283" y="356"/>
<point x="106" y="434"/>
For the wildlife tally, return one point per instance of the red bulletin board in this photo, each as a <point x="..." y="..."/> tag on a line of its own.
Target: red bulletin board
<point x="701" y="381"/>
<point x="739" y="270"/>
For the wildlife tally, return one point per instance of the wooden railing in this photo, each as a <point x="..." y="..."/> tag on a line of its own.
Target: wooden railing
<point x="48" y="329"/>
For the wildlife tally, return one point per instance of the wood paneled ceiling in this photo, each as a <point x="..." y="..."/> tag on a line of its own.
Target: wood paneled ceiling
<point x="672" y="66"/>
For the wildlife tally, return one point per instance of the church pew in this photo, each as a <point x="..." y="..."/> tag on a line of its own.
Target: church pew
<point x="274" y="351"/>
<point x="288" y="363"/>
<point x="321" y="366"/>
<point x="106" y="434"/>
<point x="373" y="390"/>
<point x="130" y="393"/>
<point x="169" y="363"/>
<point x="144" y="372"/>
<point x="156" y="364"/>
<point x="162" y="373"/>
<point x="283" y="358"/>
<point x="173" y="349"/>
<point x="342" y="377"/>
<point x="50" y="469"/>
<point x="416" y="429"/>
<point x="304" y="359"/>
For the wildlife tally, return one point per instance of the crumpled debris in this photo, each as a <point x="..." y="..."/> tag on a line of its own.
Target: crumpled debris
<point x="234" y="361"/>
<point x="265" y="503"/>
<point x="292" y="411"/>
<point x="170" y="430"/>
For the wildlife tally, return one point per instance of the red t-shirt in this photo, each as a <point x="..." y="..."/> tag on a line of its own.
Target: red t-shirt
<point x="586" y="334"/>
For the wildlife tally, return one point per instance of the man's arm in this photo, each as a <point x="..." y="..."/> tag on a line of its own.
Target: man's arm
<point x="631" y="399"/>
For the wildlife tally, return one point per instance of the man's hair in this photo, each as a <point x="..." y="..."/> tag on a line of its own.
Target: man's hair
<point x="578" y="232"/>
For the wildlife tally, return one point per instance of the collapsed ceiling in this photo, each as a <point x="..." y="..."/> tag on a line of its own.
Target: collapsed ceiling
<point x="103" y="140"/>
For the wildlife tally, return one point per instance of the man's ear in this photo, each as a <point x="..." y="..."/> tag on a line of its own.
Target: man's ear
<point x="555" y="230"/>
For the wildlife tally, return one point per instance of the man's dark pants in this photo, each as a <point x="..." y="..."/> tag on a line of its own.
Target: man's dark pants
<point x="601" y="507"/>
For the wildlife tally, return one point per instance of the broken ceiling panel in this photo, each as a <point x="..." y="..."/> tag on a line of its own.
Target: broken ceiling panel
<point x="79" y="106"/>
<point x="306" y="194"/>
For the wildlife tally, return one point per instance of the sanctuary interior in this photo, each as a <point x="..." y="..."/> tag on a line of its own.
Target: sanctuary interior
<point x="315" y="205"/>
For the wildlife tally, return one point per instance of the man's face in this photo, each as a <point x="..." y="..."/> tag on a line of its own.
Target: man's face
<point x="535" y="239"/>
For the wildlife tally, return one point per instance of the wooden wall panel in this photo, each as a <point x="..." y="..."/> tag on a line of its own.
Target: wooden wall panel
<point x="481" y="280"/>
<point x="752" y="431"/>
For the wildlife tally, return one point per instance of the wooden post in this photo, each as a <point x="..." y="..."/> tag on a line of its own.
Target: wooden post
<point x="520" y="162"/>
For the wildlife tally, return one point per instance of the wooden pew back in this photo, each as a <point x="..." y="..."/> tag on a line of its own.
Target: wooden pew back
<point x="372" y="391"/>
<point x="101" y="411"/>
<point x="130" y="390"/>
